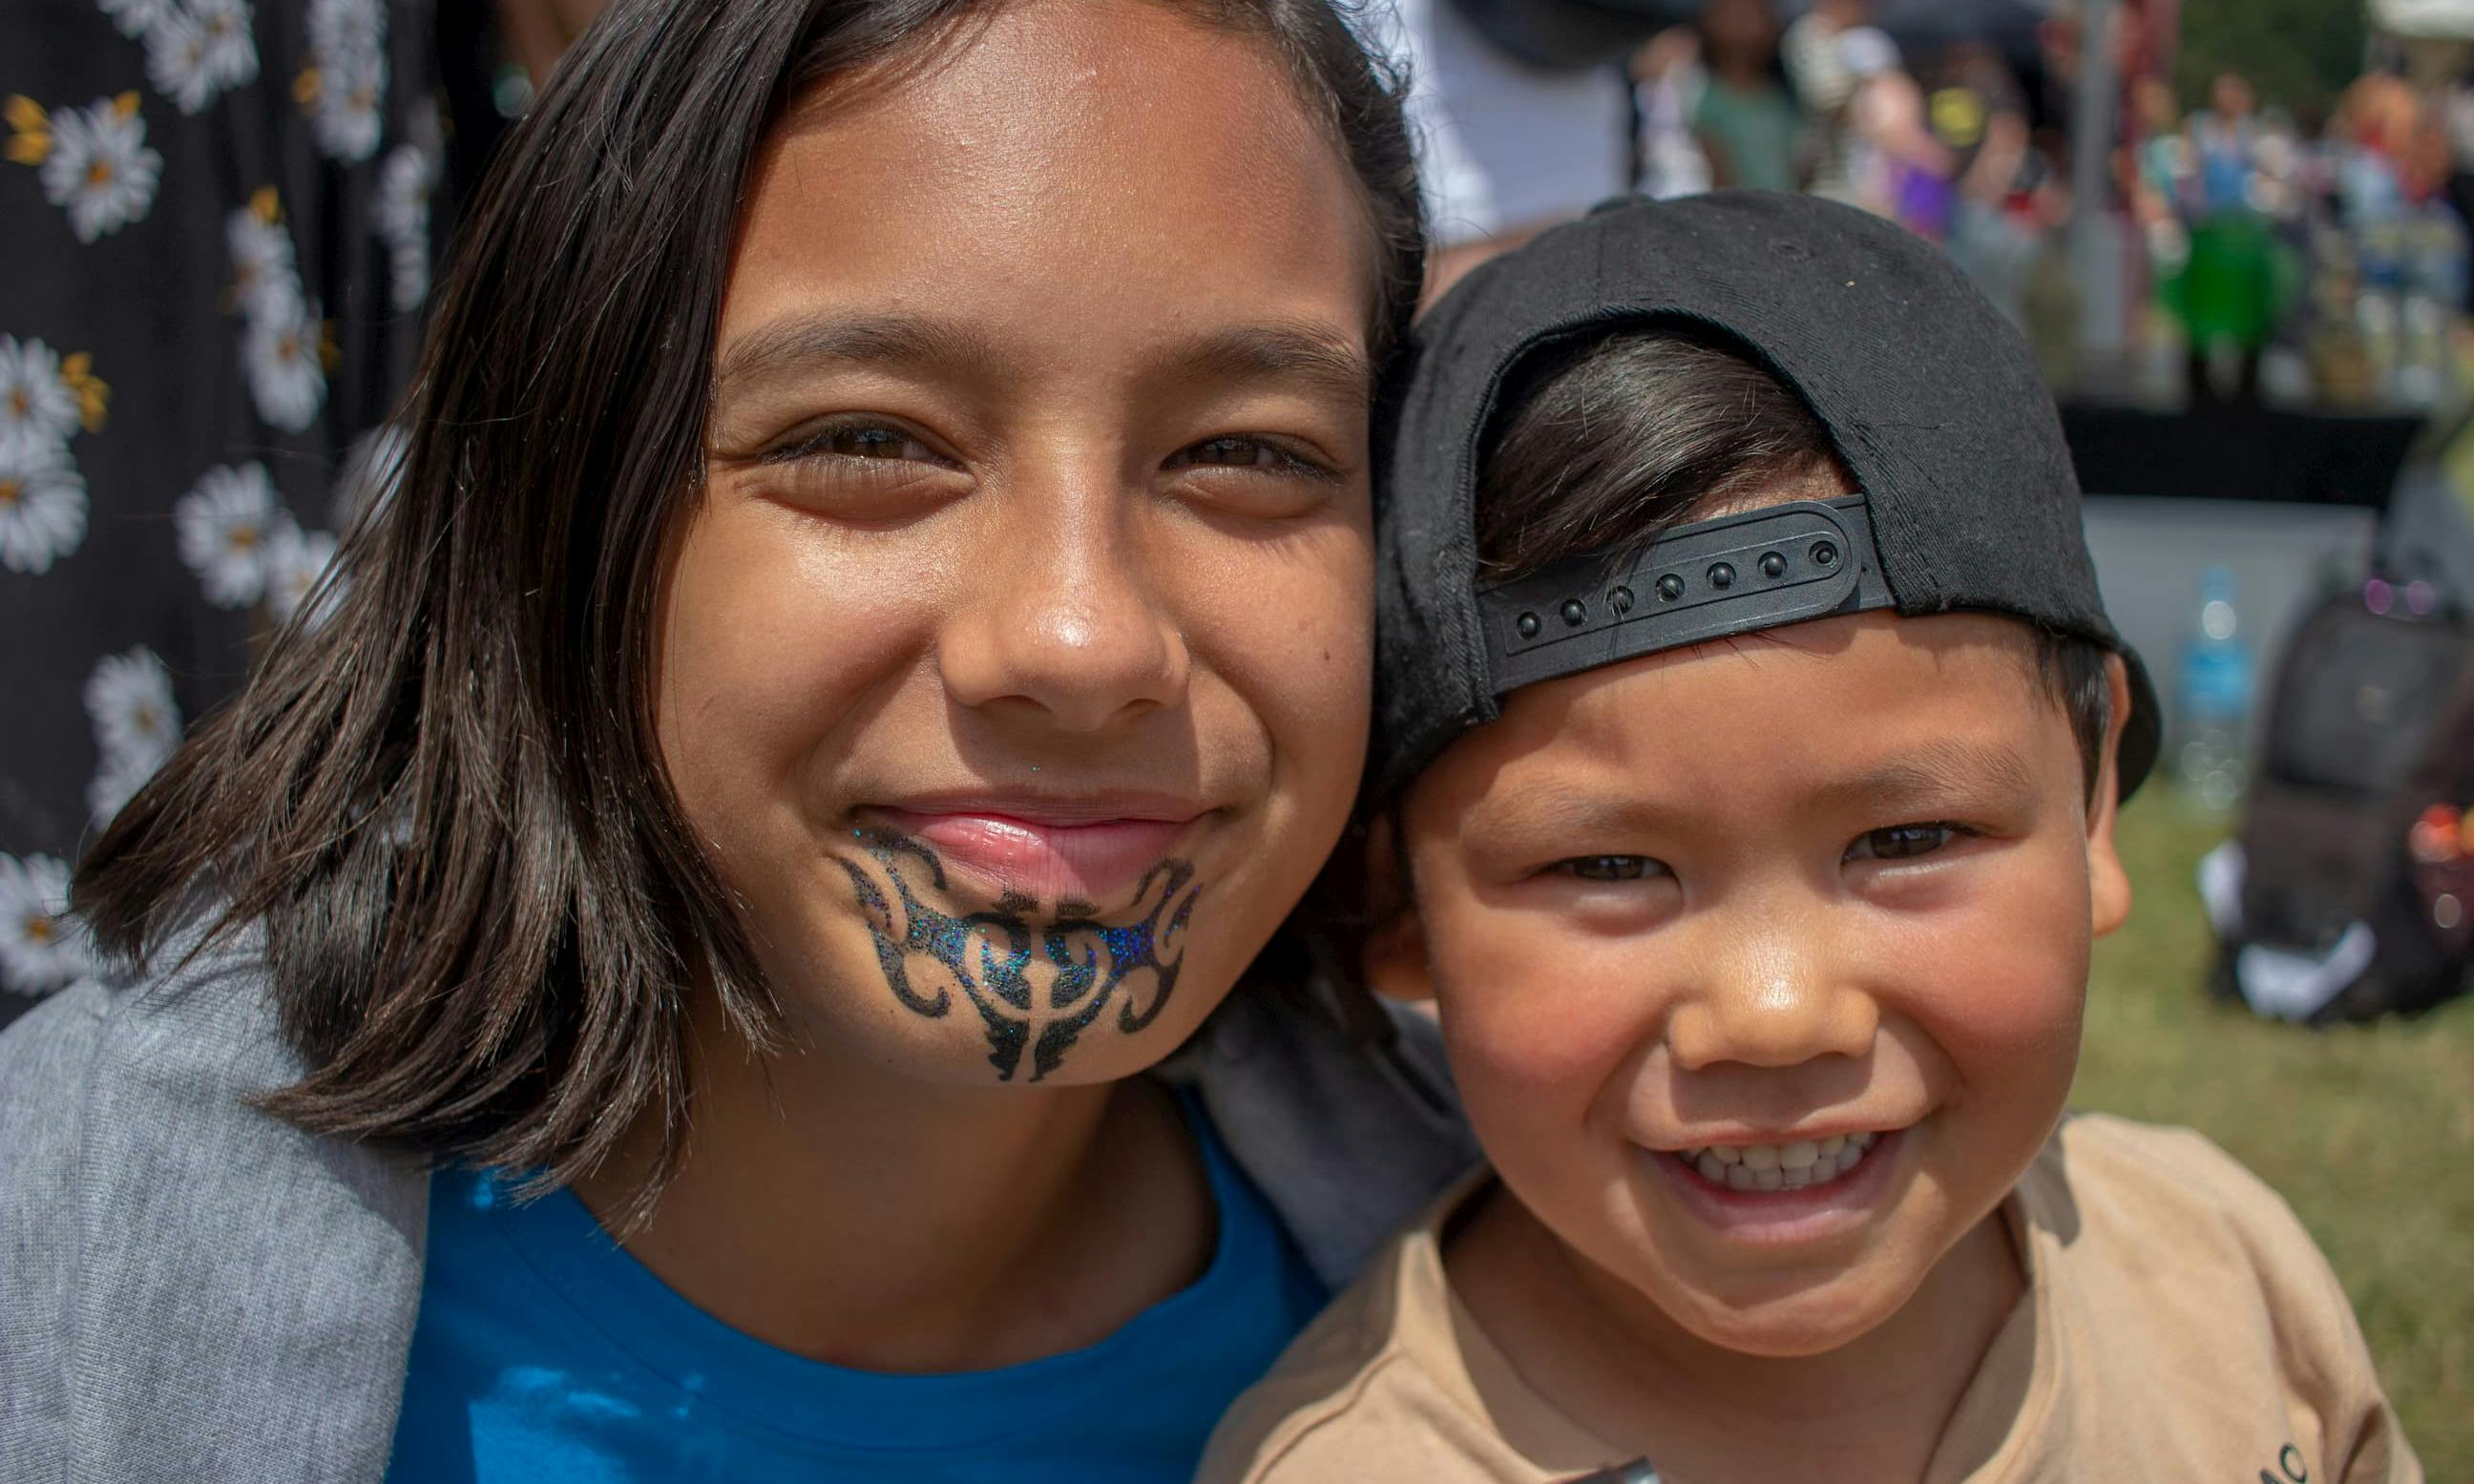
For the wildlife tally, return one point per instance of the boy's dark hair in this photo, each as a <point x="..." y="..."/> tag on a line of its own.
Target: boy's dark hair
<point x="1612" y="443"/>
<point x="482" y="908"/>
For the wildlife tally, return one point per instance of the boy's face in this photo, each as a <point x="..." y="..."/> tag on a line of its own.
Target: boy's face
<point x="1834" y="880"/>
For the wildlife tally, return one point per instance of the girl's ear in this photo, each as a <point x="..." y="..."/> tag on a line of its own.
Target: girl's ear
<point x="2108" y="884"/>
<point x="1393" y="956"/>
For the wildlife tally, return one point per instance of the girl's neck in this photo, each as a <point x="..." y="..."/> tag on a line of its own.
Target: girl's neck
<point x="834" y="1210"/>
<point x="1874" y="1407"/>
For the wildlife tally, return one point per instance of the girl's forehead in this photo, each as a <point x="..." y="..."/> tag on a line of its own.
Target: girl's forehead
<point x="1056" y="167"/>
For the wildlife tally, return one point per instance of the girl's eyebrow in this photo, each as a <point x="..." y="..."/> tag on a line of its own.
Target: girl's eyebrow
<point x="1301" y="354"/>
<point x="800" y="342"/>
<point x="1292" y="352"/>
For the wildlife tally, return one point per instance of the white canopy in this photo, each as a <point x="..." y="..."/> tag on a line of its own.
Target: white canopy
<point x="2431" y="20"/>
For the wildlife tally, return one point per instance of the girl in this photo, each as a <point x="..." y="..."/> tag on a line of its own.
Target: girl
<point x="870" y="639"/>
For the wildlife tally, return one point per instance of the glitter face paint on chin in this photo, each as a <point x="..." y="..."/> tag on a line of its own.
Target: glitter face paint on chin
<point x="1038" y="975"/>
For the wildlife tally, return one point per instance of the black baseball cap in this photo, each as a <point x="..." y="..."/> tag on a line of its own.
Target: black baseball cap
<point x="1966" y="501"/>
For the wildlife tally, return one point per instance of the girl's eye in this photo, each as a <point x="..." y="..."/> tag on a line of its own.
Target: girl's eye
<point x="875" y="443"/>
<point x="1252" y="477"/>
<point x="864" y="470"/>
<point x="1241" y="452"/>
<point x="870" y="440"/>
<point x="1607" y="868"/>
<point x="1905" y="842"/>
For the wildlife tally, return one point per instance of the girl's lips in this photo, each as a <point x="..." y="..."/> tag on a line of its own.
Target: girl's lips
<point x="1096" y="861"/>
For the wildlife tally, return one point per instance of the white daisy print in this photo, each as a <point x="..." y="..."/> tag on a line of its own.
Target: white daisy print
<point x="343" y="95"/>
<point x="372" y="471"/>
<point x="137" y="724"/>
<point x="42" y="948"/>
<point x="115" y="782"/>
<point x="194" y="53"/>
<point x="402" y="216"/>
<point x="129" y="699"/>
<point x="37" y="405"/>
<point x="281" y="350"/>
<point x="222" y="526"/>
<point x="263" y="264"/>
<point x="295" y="561"/>
<point x="97" y="165"/>
<point x="42" y="506"/>
<point x="137" y="17"/>
<point x="339" y="27"/>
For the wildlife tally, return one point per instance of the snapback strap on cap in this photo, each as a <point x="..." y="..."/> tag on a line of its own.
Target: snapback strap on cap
<point x="1734" y="575"/>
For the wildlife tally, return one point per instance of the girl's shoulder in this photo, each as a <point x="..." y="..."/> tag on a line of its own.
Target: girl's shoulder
<point x="217" y="1280"/>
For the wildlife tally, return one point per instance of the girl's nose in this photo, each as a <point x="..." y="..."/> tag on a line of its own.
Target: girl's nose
<point x="1065" y="622"/>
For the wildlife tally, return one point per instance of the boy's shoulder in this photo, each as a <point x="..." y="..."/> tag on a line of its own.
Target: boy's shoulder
<point x="2179" y="1316"/>
<point x="1392" y="1381"/>
<point x="2109" y="1193"/>
<point x="2179" y="1322"/>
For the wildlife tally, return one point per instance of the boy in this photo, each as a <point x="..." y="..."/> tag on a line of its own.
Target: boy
<point x="1752" y="738"/>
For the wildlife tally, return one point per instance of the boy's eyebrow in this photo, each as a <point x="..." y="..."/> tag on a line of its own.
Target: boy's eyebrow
<point x="1554" y="810"/>
<point x="1931" y="773"/>
<point x="1935" y="774"/>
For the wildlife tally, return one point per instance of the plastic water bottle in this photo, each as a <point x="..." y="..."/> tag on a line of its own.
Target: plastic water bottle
<point x="2216" y="675"/>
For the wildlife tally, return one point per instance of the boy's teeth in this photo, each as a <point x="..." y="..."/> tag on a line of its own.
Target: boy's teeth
<point x="1779" y="1166"/>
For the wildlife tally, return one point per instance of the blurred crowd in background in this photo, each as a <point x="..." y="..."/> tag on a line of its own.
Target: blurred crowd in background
<point x="2247" y="246"/>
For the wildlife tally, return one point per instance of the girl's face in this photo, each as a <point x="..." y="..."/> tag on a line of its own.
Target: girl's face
<point x="1014" y="668"/>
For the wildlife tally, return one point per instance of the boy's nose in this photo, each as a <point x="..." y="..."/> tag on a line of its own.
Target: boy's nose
<point x="1065" y="622"/>
<point x="1768" y="998"/>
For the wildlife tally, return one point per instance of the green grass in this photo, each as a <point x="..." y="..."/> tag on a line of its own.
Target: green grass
<point x="2369" y="1132"/>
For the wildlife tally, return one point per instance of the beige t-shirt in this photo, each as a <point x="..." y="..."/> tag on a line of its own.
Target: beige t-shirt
<point x="2177" y="1326"/>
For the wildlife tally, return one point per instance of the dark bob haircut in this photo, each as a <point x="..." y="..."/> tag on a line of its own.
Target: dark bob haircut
<point x="482" y="908"/>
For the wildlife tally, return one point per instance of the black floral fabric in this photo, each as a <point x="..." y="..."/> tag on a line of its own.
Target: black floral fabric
<point x="215" y="242"/>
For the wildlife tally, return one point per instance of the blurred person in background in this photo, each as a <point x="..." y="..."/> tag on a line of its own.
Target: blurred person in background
<point x="1506" y="147"/>
<point x="1747" y="123"/>
<point x="1978" y="112"/>
<point x="1896" y="167"/>
<point x="1816" y="68"/>
<point x="2223" y="137"/>
<point x="1668" y="80"/>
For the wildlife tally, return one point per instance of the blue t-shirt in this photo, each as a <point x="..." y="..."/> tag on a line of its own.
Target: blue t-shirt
<point x="545" y="1354"/>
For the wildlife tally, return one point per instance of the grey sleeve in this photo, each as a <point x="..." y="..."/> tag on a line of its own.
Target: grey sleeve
<point x="45" y="1059"/>
<point x="1349" y="1133"/>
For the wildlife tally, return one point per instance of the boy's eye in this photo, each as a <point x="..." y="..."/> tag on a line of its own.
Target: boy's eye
<point x="1607" y="868"/>
<point x="1905" y="842"/>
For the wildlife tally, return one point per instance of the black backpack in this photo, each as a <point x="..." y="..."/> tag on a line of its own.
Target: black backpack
<point x="2360" y="814"/>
